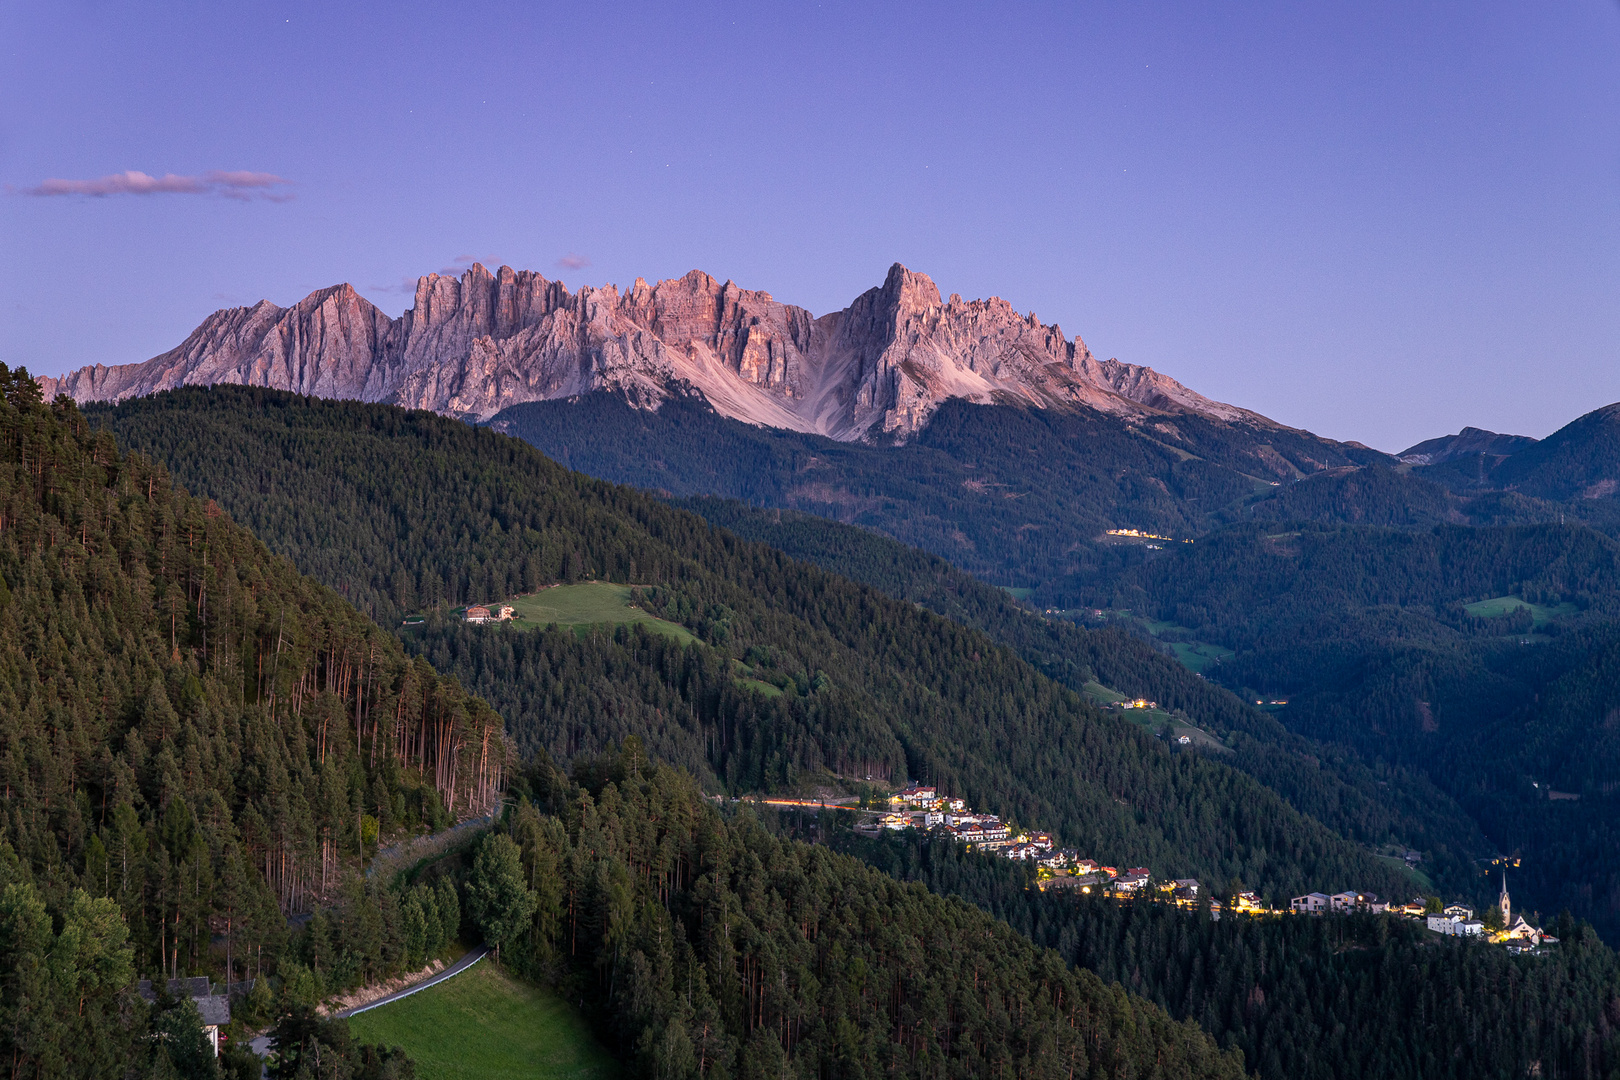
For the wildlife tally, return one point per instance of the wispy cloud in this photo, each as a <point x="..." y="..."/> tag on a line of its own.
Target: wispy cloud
<point x="573" y="261"/>
<point x="231" y="184"/>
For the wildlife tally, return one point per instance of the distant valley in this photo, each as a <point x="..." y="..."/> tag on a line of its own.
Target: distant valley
<point x="913" y="539"/>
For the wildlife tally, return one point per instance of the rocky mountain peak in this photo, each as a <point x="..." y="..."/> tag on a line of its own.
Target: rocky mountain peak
<point x="478" y="343"/>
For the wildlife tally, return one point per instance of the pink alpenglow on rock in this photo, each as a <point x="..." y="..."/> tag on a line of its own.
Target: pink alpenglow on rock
<point x="474" y="345"/>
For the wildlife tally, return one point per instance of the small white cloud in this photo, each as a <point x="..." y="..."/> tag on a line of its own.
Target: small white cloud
<point x="231" y="184"/>
<point x="573" y="261"/>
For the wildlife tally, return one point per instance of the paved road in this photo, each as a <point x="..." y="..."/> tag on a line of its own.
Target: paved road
<point x="453" y="970"/>
<point x="261" y="1045"/>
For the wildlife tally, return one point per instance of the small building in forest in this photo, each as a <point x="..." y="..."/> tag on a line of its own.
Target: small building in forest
<point x="215" y="1009"/>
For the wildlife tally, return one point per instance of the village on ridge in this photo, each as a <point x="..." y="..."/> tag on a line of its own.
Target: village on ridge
<point x="920" y="806"/>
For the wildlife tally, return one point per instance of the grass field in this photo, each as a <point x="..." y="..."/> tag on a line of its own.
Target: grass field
<point x="1417" y="875"/>
<point x="763" y="687"/>
<point x="1195" y="656"/>
<point x="1153" y="721"/>
<point x="590" y="603"/>
<point x="1198" y="655"/>
<point x="483" y="1024"/>
<point x="1502" y="605"/>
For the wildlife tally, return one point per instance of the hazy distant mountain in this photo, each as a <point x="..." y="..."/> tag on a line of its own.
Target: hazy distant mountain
<point x="1469" y="442"/>
<point x="474" y="346"/>
<point x="1575" y="465"/>
<point x="1581" y="460"/>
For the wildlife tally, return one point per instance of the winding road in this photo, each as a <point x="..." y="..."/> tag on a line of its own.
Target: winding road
<point x="454" y="969"/>
<point x="261" y="1045"/>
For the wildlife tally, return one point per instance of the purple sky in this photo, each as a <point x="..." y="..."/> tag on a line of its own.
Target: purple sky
<point x="1380" y="221"/>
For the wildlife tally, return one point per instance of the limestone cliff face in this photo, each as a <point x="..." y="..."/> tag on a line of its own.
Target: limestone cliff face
<point x="475" y="345"/>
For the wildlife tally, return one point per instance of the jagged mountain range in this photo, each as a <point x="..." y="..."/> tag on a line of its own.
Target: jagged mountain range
<point x="472" y="346"/>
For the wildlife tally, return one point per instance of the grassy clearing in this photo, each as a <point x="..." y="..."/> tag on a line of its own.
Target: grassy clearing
<point x="1503" y="605"/>
<point x="1103" y="695"/>
<point x="590" y="603"/>
<point x="1018" y="594"/>
<point x="1195" y="656"/>
<point x="484" y="1024"/>
<point x="1152" y="721"/>
<point x="1418" y="877"/>
<point x="1199" y="655"/>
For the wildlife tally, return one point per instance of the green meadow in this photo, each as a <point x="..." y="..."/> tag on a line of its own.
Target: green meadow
<point x="589" y="603"/>
<point x="1503" y="605"/>
<point x="486" y="1025"/>
<point x="1198" y="655"/>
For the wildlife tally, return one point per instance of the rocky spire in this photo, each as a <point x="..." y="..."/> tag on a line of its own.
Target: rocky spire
<point x="474" y="345"/>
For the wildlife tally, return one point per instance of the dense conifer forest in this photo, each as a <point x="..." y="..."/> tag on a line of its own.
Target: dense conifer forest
<point x="1311" y="997"/>
<point x="1018" y="496"/>
<point x="1380" y="643"/>
<point x="196" y="743"/>
<point x="1386" y="803"/>
<point x="397" y="506"/>
<point x="1012" y="495"/>
<point x="707" y="946"/>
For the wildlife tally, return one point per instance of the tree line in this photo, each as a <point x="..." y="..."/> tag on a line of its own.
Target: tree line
<point x="891" y="691"/>
<point x="708" y="947"/>
<point x="1325" y="997"/>
<point x="196" y="743"/>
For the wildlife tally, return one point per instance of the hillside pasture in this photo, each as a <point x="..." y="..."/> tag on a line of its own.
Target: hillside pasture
<point x="589" y="603"/>
<point x="486" y="1025"/>
<point x="1506" y="605"/>
<point x="1196" y="656"/>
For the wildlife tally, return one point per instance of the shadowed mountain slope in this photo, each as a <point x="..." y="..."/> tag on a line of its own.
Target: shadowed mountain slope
<point x="408" y="510"/>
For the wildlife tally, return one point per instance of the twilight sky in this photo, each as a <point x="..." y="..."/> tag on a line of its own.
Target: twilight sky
<point x="1380" y="221"/>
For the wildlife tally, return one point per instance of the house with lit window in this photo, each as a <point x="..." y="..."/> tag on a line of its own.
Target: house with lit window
<point x="1310" y="904"/>
<point x="1133" y="879"/>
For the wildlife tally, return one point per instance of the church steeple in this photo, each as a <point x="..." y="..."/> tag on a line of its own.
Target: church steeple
<point x="1504" y="902"/>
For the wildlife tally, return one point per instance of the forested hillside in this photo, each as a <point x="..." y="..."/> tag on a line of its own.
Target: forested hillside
<point x="707" y="947"/>
<point x="177" y="833"/>
<point x="1574" y="466"/>
<point x="1386" y="804"/>
<point x="1262" y="586"/>
<point x="1314" y="998"/>
<point x="1010" y="494"/>
<point x="1479" y="657"/>
<point x="408" y="508"/>
<point x="1020" y="497"/>
<point x="195" y="741"/>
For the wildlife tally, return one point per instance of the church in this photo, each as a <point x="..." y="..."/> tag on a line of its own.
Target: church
<point x="1517" y="929"/>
